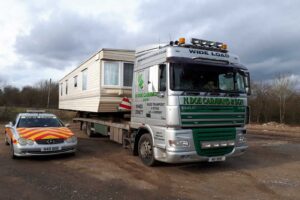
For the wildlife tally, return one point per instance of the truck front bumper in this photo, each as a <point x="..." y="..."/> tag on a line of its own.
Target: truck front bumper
<point x="191" y="156"/>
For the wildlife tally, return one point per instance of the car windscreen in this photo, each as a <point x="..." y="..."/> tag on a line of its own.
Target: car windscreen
<point x="28" y="122"/>
<point x="198" y="77"/>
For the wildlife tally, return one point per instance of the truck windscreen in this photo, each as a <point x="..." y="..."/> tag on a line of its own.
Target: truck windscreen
<point x="199" y="77"/>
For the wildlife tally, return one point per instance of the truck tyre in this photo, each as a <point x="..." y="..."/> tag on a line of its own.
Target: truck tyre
<point x="145" y="150"/>
<point x="12" y="151"/>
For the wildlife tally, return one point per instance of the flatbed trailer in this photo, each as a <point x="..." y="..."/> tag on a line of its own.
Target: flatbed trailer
<point x="188" y="103"/>
<point x="116" y="131"/>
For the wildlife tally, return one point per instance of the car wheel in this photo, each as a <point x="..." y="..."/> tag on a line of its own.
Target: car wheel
<point x="145" y="149"/>
<point x="12" y="151"/>
<point x="6" y="140"/>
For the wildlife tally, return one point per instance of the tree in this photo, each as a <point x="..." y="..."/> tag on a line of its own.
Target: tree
<point x="260" y="101"/>
<point x="283" y="86"/>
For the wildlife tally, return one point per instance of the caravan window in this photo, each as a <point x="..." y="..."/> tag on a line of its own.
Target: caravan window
<point x="61" y="89"/>
<point x="111" y="73"/>
<point x="75" y="81"/>
<point x="117" y="74"/>
<point x="84" y="79"/>
<point x="127" y="74"/>
<point x="66" y="86"/>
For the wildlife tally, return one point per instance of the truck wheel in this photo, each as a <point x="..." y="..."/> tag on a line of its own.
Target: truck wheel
<point x="12" y="151"/>
<point x="145" y="149"/>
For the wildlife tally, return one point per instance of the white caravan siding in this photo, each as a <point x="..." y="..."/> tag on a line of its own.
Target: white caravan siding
<point x="96" y="98"/>
<point x="77" y="98"/>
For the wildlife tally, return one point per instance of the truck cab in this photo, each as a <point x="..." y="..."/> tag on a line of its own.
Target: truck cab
<point x="189" y="102"/>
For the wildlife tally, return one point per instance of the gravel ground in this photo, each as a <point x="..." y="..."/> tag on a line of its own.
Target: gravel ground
<point x="102" y="169"/>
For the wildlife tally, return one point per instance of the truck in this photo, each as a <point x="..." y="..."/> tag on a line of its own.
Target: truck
<point x="188" y="103"/>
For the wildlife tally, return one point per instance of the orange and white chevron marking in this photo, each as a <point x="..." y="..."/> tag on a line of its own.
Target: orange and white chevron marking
<point x="44" y="133"/>
<point x="125" y="104"/>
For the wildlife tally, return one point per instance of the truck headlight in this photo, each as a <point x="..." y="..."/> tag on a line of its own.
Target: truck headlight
<point x="71" y="139"/>
<point x="179" y="143"/>
<point x="241" y="138"/>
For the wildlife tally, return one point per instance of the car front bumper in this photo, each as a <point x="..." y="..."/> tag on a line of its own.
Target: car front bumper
<point x="40" y="150"/>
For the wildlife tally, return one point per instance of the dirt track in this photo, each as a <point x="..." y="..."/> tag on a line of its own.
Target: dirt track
<point x="101" y="169"/>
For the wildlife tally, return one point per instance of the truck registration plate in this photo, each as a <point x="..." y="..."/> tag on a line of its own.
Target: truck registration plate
<point x="217" y="159"/>
<point x="50" y="148"/>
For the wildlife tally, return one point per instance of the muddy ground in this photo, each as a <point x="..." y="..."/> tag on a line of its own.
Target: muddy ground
<point x="102" y="169"/>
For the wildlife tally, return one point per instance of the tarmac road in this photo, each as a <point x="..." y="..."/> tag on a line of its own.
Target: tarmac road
<point x="101" y="169"/>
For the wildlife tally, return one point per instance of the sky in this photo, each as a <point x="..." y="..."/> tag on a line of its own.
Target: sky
<point x="43" y="39"/>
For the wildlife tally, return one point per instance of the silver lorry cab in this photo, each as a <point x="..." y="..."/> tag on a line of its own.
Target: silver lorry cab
<point x="189" y="102"/>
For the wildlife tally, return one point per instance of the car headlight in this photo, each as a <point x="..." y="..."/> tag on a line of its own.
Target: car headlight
<point x="24" y="141"/>
<point x="30" y="142"/>
<point x="71" y="139"/>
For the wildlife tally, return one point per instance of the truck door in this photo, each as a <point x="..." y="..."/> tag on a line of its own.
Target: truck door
<point x="139" y="91"/>
<point x="155" y="103"/>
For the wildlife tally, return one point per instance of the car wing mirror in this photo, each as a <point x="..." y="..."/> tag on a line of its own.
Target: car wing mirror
<point x="9" y="125"/>
<point x="67" y="125"/>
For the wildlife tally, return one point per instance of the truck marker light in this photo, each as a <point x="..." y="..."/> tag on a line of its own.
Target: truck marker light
<point x="181" y="40"/>
<point x="216" y="145"/>
<point x="224" y="46"/>
<point x="231" y="143"/>
<point x="224" y="144"/>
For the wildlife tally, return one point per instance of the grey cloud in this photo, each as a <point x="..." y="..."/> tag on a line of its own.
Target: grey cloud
<point x="64" y="38"/>
<point x="256" y="31"/>
<point x="263" y="33"/>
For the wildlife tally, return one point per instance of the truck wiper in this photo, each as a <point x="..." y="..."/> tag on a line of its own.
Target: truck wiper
<point x="232" y="94"/>
<point x="213" y="92"/>
<point x="190" y="93"/>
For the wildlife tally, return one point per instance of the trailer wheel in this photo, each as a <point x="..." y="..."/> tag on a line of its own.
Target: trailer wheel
<point x="88" y="130"/>
<point x="145" y="150"/>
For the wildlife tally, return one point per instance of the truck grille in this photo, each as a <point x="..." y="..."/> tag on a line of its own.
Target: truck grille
<point x="204" y="116"/>
<point x="213" y="134"/>
<point x="50" y="141"/>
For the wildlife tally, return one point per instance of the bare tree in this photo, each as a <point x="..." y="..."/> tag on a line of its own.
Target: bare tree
<point x="283" y="87"/>
<point x="260" y="101"/>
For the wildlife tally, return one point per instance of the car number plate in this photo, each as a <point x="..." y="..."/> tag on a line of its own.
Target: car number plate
<point x="217" y="159"/>
<point x="50" y="148"/>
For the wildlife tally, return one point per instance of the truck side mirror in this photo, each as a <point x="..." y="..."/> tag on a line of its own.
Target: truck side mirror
<point x="247" y="83"/>
<point x="161" y="94"/>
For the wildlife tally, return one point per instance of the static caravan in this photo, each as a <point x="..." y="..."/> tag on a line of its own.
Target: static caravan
<point x="99" y="83"/>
